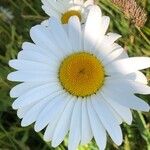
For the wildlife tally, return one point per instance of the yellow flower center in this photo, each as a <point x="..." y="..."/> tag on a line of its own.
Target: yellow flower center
<point x="81" y="74"/>
<point x="65" y="17"/>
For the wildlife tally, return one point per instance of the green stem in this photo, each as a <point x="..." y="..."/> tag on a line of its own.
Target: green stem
<point x="141" y="124"/>
<point x="30" y="7"/>
<point x="143" y="35"/>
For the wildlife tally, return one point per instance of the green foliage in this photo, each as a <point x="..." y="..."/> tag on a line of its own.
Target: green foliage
<point x="14" y="32"/>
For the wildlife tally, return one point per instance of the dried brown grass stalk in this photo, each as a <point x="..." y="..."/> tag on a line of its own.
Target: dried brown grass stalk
<point x="133" y="11"/>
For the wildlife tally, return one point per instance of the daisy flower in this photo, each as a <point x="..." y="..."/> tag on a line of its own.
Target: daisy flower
<point x="64" y="9"/>
<point x="77" y="81"/>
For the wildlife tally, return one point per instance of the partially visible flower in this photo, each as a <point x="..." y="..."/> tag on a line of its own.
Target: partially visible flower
<point x="77" y="80"/>
<point x="133" y="11"/>
<point x="64" y="9"/>
<point x="6" y="14"/>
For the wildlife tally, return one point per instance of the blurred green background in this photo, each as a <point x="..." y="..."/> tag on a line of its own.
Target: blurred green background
<point x="16" y="19"/>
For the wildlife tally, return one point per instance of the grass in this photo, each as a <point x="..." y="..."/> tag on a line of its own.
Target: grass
<point x="14" y="32"/>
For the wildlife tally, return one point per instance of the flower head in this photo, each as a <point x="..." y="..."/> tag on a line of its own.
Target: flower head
<point x="133" y="11"/>
<point x="64" y="9"/>
<point x="77" y="80"/>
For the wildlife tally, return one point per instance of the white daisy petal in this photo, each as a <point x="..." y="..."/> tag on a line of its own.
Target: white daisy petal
<point x="35" y="56"/>
<point x="50" y="11"/>
<point x="43" y="36"/>
<point x="128" y="65"/>
<point x="115" y="114"/>
<point x="63" y="124"/>
<point x="135" y="76"/>
<point x="97" y="127"/>
<point x="122" y="55"/>
<point x="54" y="125"/>
<point x="34" y="112"/>
<point x="128" y="100"/>
<point x="107" y="119"/>
<point x="48" y="134"/>
<point x="53" y="4"/>
<point x="40" y="36"/>
<point x="110" y="38"/>
<point x="115" y="55"/>
<point x="50" y="129"/>
<point x="54" y="108"/>
<point x="78" y="1"/>
<point x="45" y="22"/>
<point x="22" y="88"/>
<point x="129" y="86"/>
<point x="75" y="127"/>
<point x="24" y="76"/>
<point x="74" y="33"/>
<point x="104" y="24"/>
<point x="62" y="40"/>
<point x="27" y="46"/>
<point x="35" y="95"/>
<point x="86" y="132"/>
<point x="107" y="46"/>
<point x="22" y="111"/>
<point x="124" y="112"/>
<point x="30" y="65"/>
<point x="89" y="3"/>
<point x="138" y="77"/>
<point x="92" y="30"/>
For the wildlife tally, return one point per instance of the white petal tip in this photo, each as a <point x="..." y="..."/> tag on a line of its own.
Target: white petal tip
<point x="54" y="144"/>
<point x="24" y="124"/>
<point x="10" y="63"/>
<point x="129" y="122"/>
<point x="12" y="94"/>
<point x="143" y="107"/>
<point x="37" y="128"/>
<point x="34" y="29"/>
<point x="46" y="139"/>
<point x="84" y="142"/>
<point x="19" y="116"/>
<point x="118" y="139"/>
<point x="118" y="142"/>
<point x="9" y="77"/>
<point x="147" y="108"/>
<point x="14" y="106"/>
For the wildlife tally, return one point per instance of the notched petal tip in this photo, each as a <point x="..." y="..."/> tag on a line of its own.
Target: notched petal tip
<point x="24" y="123"/>
<point x="46" y="139"/>
<point x="12" y="94"/>
<point x="54" y="144"/>
<point x="37" y="127"/>
<point x="9" y="77"/>
<point x="12" y="63"/>
<point x="146" y="108"/>
<point x="14" y="105"/>
<point x="34" y="29"/>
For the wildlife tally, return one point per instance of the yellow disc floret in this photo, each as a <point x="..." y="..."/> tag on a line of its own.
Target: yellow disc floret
<point x="81" y="74"/>
<point x="66" y="16"/>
